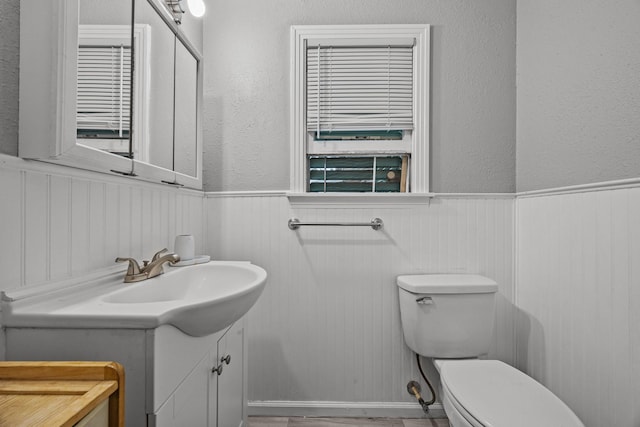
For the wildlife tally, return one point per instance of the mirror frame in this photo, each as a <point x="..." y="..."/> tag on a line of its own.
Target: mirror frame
<point x="48" y="90"/>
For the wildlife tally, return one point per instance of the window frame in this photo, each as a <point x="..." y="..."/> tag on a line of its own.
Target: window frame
<point x="375" y="34"/>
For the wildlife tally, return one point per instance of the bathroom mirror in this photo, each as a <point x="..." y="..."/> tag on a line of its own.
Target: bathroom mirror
<point x="104" y="83"/>
<point x="151" y="131"/>
<point x="185" y="112"/>
<point x="172" y="90"/>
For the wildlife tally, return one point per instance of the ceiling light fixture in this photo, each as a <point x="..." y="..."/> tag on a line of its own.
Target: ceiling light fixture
<point x="196" y="7"/>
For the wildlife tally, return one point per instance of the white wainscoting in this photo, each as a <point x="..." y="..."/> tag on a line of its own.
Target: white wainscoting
<point x="327" y="327"/>
<point x="578" y="292"/>
<point x="57" y="223"/>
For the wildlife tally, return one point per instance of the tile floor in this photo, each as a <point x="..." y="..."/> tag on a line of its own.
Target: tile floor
<point x="338" y="422"/>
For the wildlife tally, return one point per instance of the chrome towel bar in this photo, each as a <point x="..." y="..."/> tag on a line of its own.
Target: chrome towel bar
<point x="375" y="223"/>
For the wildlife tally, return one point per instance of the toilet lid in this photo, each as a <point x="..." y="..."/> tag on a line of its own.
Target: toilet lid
<point x="497" y="395"/>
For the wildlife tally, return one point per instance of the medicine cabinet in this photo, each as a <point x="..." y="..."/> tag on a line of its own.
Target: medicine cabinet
<point x="113" y="87"/>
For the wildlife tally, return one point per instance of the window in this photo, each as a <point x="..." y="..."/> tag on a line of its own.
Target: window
<point x="359" y="105"/>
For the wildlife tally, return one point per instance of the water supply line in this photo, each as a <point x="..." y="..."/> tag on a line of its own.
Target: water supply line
<point x="414" y="389"/>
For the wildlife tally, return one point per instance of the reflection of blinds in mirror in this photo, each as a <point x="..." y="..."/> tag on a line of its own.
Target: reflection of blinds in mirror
<point x="359" y="88"/>
<point x="104" y="92"/>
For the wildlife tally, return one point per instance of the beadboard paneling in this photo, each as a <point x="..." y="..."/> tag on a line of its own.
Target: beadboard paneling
<point x="60" y="227"/>
<point x="578" y="296"/>
<point x="327" y="327"/>
<point x="55" y="225"/>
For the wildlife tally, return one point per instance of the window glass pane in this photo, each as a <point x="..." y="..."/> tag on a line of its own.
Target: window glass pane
<point x="356" y="174"/>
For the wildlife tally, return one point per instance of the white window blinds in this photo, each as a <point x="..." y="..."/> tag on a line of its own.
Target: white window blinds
<point x="104" y="91"/>
<point x="356" y="88"/>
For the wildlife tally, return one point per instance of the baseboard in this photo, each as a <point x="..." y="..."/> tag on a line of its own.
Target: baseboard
<point x="287" y="408"/>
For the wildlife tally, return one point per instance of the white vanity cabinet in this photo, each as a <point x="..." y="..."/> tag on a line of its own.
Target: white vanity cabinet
<point x="169" y="376"/>
<point x="214" y="392"/>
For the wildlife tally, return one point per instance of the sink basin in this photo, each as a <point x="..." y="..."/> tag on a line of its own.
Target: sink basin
<point x="199" y="300"/>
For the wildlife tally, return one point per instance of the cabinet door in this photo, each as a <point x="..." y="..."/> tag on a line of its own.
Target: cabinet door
<point x="188" y="406"/>
<point x="231" y="381"/>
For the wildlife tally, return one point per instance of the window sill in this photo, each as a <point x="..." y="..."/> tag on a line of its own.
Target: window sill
<point x="375" y="199"/>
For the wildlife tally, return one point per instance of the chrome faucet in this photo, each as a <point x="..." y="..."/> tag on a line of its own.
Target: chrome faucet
<point x="150" y="269"/>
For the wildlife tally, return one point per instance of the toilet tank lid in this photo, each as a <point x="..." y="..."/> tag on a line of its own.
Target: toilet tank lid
<point x="447" y="284"/>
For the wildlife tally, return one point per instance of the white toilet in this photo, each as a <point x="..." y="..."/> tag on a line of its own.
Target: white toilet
<point x="449" y="317"/>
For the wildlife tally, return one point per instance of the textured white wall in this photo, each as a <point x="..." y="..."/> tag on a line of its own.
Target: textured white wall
<point x="57" y="223"/>
<point x="327" y="327"/>
<point x="578" y="294"/>
<point x="246" y="49"/>
<point x="578" y="92"/>
<point x="9" y="75"/>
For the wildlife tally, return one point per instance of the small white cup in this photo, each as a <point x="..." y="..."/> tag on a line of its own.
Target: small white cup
<point x="184" y="247"/>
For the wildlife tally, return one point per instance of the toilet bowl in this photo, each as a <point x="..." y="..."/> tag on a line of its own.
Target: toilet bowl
<point x="449" y="317"/>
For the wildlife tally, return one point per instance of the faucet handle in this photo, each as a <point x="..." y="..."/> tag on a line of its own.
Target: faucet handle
<point x="158" y="254"/>
<point x="134" y="267"/>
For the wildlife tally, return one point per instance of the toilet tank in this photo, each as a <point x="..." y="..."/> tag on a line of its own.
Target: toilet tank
<point x="447" y="315"/>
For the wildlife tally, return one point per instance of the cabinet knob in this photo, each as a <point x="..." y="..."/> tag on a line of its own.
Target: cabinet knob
<point x="217" y="369"/>
<point x="226" y="359"/>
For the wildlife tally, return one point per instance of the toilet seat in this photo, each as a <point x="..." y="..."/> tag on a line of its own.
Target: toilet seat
<point x="490" y="393"/>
